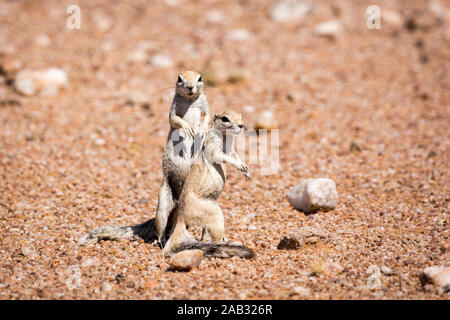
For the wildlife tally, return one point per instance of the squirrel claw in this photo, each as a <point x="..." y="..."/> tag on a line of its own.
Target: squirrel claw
<point x="246" y="174"/>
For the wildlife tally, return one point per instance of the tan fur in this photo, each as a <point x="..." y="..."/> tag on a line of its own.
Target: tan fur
<point x="205" y="182"/>
<point x="189" y="119"/>
<point x="190" y="76"/>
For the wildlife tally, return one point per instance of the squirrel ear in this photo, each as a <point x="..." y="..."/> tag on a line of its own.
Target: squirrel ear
<point x="199" y="79"/>
<point x="216" y="116"/>
<point x="179" y="79"/>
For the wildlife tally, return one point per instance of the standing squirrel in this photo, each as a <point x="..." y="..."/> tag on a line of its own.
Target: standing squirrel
<point x="189" y="118"/>
<point x="206" y="179"/>
<point x="190" y="113"/>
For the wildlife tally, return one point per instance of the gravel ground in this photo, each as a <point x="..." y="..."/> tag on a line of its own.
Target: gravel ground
<point x="366" y="108"/>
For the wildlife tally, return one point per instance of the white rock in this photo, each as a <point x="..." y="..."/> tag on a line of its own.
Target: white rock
<point x="328" y="29"/>
<point x="99" y="142"/>
<point x="25" y="82"/>
<point x="172" y="3"/>
<point x="372" y="269"/>
<point x="102" y="22"/>
<point x="374" y="280"/>
<point x="215" y="16"/>
<point x="108" y="46"/>
<point x="161" y="61"/>
<point x="249" y="109"/>
<point x="42" y="40"/>
<point x="314" y="195"/>
<point x="51" y="80"/>
<point x="391" y="17"/>
<point x="106" y="286"/>
<point x="265" y="120"/>
<point x="42" y="82"/>
<point x="146" y="45"/>
<point x="89" y="262"/>
<point x="387" y="271"/>
<point x="438" y="275"/>
<point x="290" y="10"/>
<point x="138" y="56"/>
<point x="239" y="35"/>
<point x="440" y="8"/>
<point x="28" y="252"/>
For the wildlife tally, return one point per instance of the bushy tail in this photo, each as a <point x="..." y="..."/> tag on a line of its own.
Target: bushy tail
<point x="145" y="231"/>
<point x="219" y="250"/>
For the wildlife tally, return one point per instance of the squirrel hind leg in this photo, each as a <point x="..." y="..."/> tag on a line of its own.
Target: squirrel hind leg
<point x="207" y="214"/>
<point x="166" y="205"/>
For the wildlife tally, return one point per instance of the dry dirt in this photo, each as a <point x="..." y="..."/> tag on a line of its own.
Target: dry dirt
<point x="368" y="109"/>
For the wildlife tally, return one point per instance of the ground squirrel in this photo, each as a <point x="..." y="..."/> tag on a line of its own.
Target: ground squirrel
<point x="206" y="179"/>
<point x="189" y="112"/>
<point x="189" y="118"/>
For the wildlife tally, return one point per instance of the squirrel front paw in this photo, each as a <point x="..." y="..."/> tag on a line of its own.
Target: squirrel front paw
<point x="187" y="128"/>
<point x="244" y="169"/>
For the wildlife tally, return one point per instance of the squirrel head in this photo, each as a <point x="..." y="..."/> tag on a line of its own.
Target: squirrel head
<point x="189" y="84"/>
<point x="228" y="122"/>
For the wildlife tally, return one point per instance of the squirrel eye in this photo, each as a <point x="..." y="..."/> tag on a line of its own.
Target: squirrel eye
<point x="225" y="119"/>
<point x="179" y="79"/>
<point x="199" y="79"/>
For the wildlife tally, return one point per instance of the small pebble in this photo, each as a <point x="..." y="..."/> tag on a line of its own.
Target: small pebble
<point x="186" y="260"/>
<point x="106" y="287"/>
<point x="392" y="18"/>
<point x="265" y="120"/>
<point x="249" y="109"/>
<point x="139" y="56"/>
<point x="328" y="29"/>
<point x="42" y="40"/>
<point x="89" y="262"/>
<point x="215" y="16"/>
<point x="239" y="35"/>
<point x="386" y="270"/>
<point x="99" y="142"/>
<point x="290" y="10"/>
<point x="28" y="252"/>
<point x="374" y="280"/>
<point x="437" y="275"/>
<point x="42" y="82"/>
<point x="161" y="61"/>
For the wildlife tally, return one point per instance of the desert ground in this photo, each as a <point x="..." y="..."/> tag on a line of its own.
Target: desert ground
<point x="368" y="108"/>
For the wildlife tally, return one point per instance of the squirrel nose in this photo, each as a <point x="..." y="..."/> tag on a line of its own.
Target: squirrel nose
<point x="192" y="90"/>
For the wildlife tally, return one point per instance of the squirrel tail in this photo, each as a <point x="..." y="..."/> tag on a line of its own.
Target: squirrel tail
<point x="219" y="250"/>
<point x="145" y="231"/>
